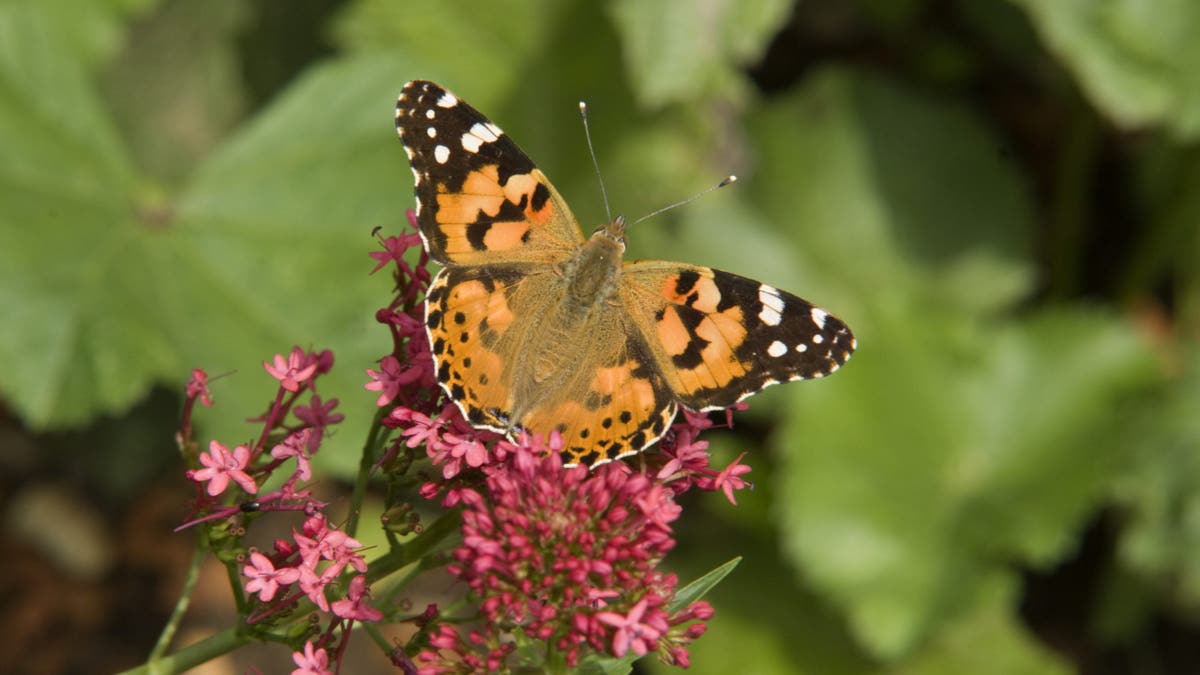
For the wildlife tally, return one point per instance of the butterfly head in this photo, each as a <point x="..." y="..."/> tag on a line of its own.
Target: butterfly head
<point x="613" y="232"/>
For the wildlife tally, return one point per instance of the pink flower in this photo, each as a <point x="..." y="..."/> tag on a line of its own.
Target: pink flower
<point x="198" y="387"/>
<point x="632" y="632"/>
<point x="729" y="479"/>
<point x="222" y="466"/>
<point x="311" y="662"/>
<point x="265" y="579"/>
<point x="687" y="453"/>
<point x="394" y="248"/>
<point x="390" y="378"/>
<point x="318" y="416"/>
<point x="354" y="606"/>
<point x="320" y="541"/>
<point x="462" y="449"/>
<point x="313" y="584"/>
<point x="293" y="371"/>
<point x="418" y="427"/>
<point x="295" y="446"/>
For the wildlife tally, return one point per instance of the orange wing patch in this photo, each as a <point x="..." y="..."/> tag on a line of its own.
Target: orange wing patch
<point x="480" y="200"/>
<point x="611" y="412"/>
<point x="465" y="320"/>
<point x="718" y="337"/>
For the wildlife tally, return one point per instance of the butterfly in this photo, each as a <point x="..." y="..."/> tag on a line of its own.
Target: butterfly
<point x="533" y="326"/>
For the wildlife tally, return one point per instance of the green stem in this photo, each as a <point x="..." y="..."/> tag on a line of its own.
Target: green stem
<point x="376" y="636"/>
<point x="181" y="605"/>
<point x="398" y="558"/>
<point x="365" y="464"/>
<point x="192" y="655"/>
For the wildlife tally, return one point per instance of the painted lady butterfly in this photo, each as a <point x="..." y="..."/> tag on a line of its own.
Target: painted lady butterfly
<point x="534" y="326"/>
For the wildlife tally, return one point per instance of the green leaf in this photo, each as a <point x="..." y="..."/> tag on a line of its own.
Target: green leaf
<point x="114" y="286"/>
<point x="888" y="196"/>
<point x="677" y="51"/>
<point x="176" y="86"/>
<point x="989" y="640"/>
<point x="1160" y="493"/>
<point x="606" y="665"/>
<point x="272" y="236"/>
<point x="946" y="450"/>
<point x="764" y="615"/>
<point x="476" y="53"/>
<point x="66" y="185"/>
<point x="1139" y="62"/>
<point x="700" y="587"/>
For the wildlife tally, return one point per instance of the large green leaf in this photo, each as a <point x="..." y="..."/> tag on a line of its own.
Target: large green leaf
<point x="1160" y="544"/>
<point x="888" y="196"/>
<point x="1138" y="61"/>
<point x="988" y="640"/>
<point x="108" y="292"/>
<point x="679" y="51"/>
<point x="69" y="347"/>
<point x="466" y="47"/>
<point x="945" y="451"/>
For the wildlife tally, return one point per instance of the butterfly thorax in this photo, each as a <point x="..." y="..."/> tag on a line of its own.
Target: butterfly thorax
<point x="592" y="273"/>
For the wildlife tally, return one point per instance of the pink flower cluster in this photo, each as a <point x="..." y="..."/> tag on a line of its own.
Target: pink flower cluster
<point x="318" y="560"/>
<point x="248" y="464"/>
<point x="570" y="559"/>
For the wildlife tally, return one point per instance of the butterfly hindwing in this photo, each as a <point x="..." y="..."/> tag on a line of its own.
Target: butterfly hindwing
<point x="615" y="403"/>
<point x="479" y="198"/>
<point x="719" y="337"/>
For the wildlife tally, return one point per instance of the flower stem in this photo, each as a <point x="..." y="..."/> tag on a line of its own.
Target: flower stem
<point x="365" y="465"/>
<point x="181" y="605"/>
<point x="192" y="655"/>
<point x="415" y="550"/>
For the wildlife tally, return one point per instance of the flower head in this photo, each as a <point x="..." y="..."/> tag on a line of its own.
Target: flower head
<point x="265" y="579"/>
<point x="355" y="605"/>
<point x="293" y="371"/>
<point x="222" y="466"/>
<point x="311" y="661"/>
<point x="296" y="445"/>
<point x="197" y="387"/>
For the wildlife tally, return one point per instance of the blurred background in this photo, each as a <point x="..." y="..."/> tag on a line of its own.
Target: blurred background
<point x="1001" y="197"/>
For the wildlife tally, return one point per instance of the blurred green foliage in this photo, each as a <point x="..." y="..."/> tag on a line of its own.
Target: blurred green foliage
<point x="999" y="196"/>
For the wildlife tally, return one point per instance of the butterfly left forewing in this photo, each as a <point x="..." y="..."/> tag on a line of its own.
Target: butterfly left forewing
<point x="480" y="199"/>
<point x="718" y="337"/>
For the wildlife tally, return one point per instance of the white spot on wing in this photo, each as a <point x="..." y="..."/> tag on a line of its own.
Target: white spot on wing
<point x="429" y="114"/>
<point x="488" y="132"/>
<point x="441" y="153"/>
<point x="416" y="177"/>
<point x="772" y="309"/>
<point x="777" y="349"/>
<point x="818" y="316"/>
<point x="432" y="131"/>
<point x="818" y="339"/>
<point x="801" y="347"/>
<point x="447" y="100"/>
<point x="471" y="142"/>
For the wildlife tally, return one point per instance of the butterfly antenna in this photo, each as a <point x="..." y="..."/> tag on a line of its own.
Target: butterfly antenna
<point x="726" y="181"/>
<point x="588" y="134"/>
